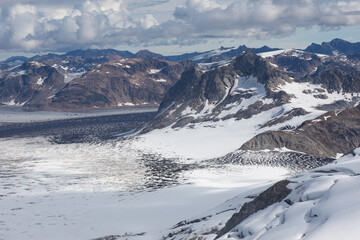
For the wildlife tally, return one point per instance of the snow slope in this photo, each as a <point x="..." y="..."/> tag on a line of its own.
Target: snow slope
<point x="323" y="204"/>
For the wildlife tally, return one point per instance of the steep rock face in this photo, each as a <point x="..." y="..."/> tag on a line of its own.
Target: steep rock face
<point x="325" y="136"/>
<point x="203" y="96"/>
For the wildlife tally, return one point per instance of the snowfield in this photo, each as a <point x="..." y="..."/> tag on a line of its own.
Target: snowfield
<point x="85" y="191"/>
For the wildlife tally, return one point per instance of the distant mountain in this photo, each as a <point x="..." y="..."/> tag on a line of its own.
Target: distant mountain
<point x="335" y="47"/>
<point x="16" y="58"/>
<point x="182" y="57"/>
<point x="86" y="79"/>
<point x="221" y="54"/>
<point x="146" y="54"/>
<point x="130" y="82"/>
<point x="95" y="53"/>
<point x="304" y="65"/>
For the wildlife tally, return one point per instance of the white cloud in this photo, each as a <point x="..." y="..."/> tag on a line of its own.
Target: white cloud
<point x="202" y="5"/>
<point x="111" y="22"/>
<point x="149" y="21"/>
<point x="22" y="22"/>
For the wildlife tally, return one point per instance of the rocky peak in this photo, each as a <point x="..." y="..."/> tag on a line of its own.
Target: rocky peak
<point x="248" y="63"/>
<point x="146" y="54"/>
<point x="335" y="47"/>
<point x="203" y="95"/>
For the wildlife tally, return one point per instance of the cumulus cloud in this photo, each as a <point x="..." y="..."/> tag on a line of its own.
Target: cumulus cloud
<point x="22" y="23"/>
<point x="149" y="21"/>
<point x="26" y="26"/>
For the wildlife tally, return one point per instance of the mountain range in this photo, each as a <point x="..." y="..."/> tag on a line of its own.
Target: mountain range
<point x="89" y="79"/>
<point x="284" y="108"/>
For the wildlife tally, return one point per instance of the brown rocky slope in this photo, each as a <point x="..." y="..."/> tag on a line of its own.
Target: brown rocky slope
<point x="325" y="136"/>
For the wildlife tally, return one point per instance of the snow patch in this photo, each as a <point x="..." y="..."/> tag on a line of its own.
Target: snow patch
<point x="68" y="77"/>
<point x="273" y="64"/>
<point x="247" y="84"/>
<point x="126" y="104"/>
<point x="12" y="103"/>
<point x="18" y="73"/>
<point x="40" y="81"/>
<point x="64" y="68"/>
<point x="154" y="71"/>
<point x="160" y="80"/>
<point x="273" y="53"/>
<point x="37" y="64"/>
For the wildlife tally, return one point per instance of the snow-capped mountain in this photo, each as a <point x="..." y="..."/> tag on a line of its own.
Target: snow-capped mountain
<point x="279" y="95"/>
<point x="223" y="93"/>
<point x="86" y="86"/>
<point x="318" y="204"/>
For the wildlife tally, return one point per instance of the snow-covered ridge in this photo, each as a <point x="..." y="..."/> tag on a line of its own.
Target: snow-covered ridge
<point x="212" y="53"/>
<point x="289" y="52"/>
<point x="273" y="53"/>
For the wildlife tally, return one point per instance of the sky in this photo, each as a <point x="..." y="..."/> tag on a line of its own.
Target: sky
<point x="170" y="27"/>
